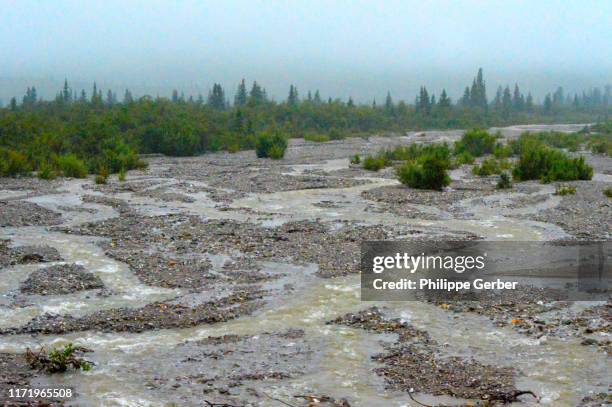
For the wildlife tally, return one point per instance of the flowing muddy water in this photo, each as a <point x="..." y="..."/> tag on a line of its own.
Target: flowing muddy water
<point x="560" y="371"/>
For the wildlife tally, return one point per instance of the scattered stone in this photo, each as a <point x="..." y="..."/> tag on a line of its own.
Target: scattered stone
<point x="415" y="363"/>
<point x="598" y="400"/>
<point x="26" y="254"/>
<point x="587" y="214"/>
<point x="60" y="279"/>
<point x="157" y="315"/>
<point x="23" y="213"/>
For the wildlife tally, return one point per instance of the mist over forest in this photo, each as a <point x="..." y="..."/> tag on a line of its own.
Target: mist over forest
<point x="344" y="49"/>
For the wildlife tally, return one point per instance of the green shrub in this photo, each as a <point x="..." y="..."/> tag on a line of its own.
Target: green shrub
<point x="13" y="163"/>
<point x="502" y="151"/>
<point x="490" y="167"/>
<point x="71" y="166"/>
<point x="270" y="145"/>
<point x="317" y="138"/>
<point x="276" y="152"/>
<point x="355" y="159"/>
<point x="464" y="158"/>
<point x="547" y="164"/>
<point x="563" y="190"/>
<point x="430" y="172"/>
<point x="233" y="148"/>
<point x="117" y="155"/>
<point x="122" y="175"/>
<point x="371" y="163"/>
<point x="336" y="134"/>
<point x="601" y="145"/>
<point x="504" y="181"/>
<point x="58" y="360"/>
<point x="570" y="141"/>
<point x="415" y="152"/>
<point x="476" y="142"/>
<point x="46" y="171"/>
<point x="608" y="192"/>
<point x="102" y="175"/>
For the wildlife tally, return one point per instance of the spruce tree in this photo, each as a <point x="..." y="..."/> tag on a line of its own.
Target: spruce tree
<point x="110" y="98"/>
<point x="389" y="102"/>
<point x="548" y="103"/>
<point x="444" y="101"/>
<point x="66" y="93"/>
<point x="517" y="99"/>
<point x="507" y="101"/>
<point x="257" y="95"/>
<point x="127" y="97"/>
<point x="216" y="98"/>
<point x="317" y="98"/>
<point x="529" y="103"/>
<point x="293" y="99"/>
<point x="497" y="101"/>
<point x="241" y="95"/>
<point x="465" y="99"/>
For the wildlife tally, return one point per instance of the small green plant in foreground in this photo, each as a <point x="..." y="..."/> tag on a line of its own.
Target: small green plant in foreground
<point x="563" y="190"/>
<point x="122" y="174"/>
<point x="505" y="182"/>
<point x="58" y="360"/>
<point x="355" y="159"/>
<point x="608" y="192"/>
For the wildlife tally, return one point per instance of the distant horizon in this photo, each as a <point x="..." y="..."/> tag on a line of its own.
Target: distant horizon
<point x="48" y="88"/>
<point x="344" y="48"/>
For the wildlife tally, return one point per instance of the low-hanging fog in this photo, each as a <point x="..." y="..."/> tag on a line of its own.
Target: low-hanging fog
<point x="343" y="48"/>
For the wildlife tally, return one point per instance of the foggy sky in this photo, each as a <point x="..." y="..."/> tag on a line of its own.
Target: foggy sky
<point x="344" y="48"/>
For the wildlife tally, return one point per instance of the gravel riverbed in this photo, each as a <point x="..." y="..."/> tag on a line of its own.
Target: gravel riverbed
<point x="243" y="276"/>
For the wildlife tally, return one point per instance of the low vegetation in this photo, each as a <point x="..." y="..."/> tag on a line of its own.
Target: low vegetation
<point x="70" y="166"/>
<point x="476" y="142"/>
<point x="563" y="190"/>
<point x="608" y="192"/>
<point x="372" y="163"/>
<point x="540" y="162"/>
<point x="58" y="360"/>
<point x="271" y="145"/>
<point x="428" y="171"/>
<point x="317" y="138"/>
<point x="356" y="159"/>
<point x="505" y="181"/>
<point x="80" y="131"/>
<point x="464" y="158"/>
<point x="490" y="166"/>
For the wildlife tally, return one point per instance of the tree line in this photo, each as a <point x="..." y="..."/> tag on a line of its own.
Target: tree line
<point x="106" y="131"/>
